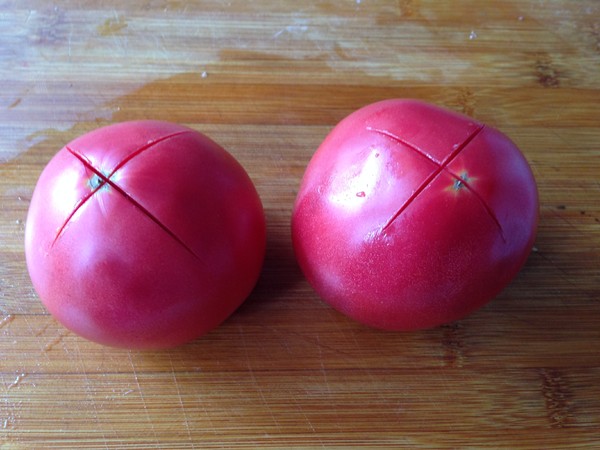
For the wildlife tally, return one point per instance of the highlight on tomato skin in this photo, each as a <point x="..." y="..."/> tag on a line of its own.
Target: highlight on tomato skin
<point x="410" y="216"/>
<point x="144" y="235"/>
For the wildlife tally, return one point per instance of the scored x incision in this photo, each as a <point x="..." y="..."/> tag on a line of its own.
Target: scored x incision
<point x="103" y="179"/>
<point x="442" y="166"/>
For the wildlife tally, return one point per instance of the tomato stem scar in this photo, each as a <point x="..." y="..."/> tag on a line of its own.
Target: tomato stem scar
<point x="95" y="182"/>
<point x="459" y="182"/>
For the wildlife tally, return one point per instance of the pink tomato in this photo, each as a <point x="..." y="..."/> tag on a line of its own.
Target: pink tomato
<point x="410" y="216"/>
<point x="144" y="235"/>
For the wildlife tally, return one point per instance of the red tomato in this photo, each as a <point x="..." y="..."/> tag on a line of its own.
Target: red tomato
<point x="144" y="235"/>
<point x="410" y="216"/>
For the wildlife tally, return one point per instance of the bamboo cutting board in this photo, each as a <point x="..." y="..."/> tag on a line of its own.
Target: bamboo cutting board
<point x="267" y="80"/>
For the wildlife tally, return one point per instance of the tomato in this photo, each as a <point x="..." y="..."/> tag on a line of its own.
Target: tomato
<point x="410" y="216"/>
<point x="144" y="235"/>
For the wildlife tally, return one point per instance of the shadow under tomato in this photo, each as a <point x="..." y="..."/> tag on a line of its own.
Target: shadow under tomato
<point x="280" y="272"/>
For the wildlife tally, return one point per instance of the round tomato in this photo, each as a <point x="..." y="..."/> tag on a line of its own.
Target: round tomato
<point x="144" y="235"/>
<point x="410" y="216"/>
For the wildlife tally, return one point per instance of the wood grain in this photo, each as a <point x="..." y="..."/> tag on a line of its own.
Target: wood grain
<point x="268" y="79"/>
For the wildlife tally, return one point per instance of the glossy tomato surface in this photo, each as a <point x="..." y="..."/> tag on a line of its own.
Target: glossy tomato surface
<point x="144" y="235"/>
<point x="410" y="216"/>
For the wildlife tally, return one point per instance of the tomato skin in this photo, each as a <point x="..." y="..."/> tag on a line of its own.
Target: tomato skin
<point x="162" y="254"/>
<point x="410" y="216"/>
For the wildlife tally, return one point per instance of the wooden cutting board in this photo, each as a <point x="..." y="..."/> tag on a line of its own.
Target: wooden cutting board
<point x="267" y="80"/>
